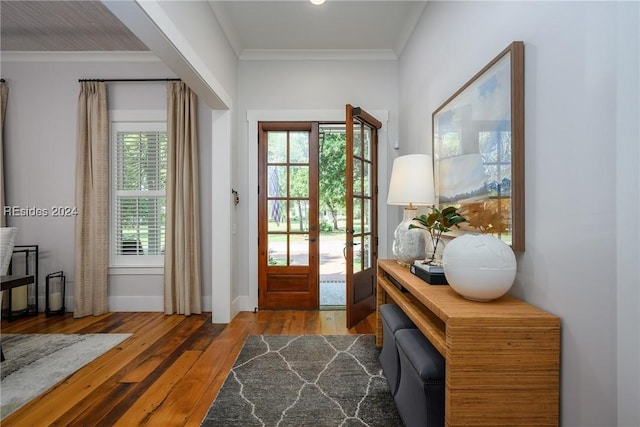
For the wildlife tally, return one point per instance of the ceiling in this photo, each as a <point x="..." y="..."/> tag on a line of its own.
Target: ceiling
<point x="63" y="26"/>
<point x="250" y="26"/>
<point x="335" y="25"/>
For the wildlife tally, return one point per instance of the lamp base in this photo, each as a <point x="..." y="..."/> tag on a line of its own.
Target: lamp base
<point x="404" y="264"/>
<point x="409" y="244"/>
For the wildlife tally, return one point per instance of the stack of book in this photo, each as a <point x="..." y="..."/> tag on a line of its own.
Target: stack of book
<point x="432" y="274"/>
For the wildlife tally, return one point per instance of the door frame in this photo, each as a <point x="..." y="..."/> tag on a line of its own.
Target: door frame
<point x="246" y="236"/>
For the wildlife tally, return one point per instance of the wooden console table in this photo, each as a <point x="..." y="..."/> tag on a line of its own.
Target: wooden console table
<point x="502" y="357"/>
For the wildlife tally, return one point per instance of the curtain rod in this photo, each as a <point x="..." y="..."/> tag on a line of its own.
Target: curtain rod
<point x="129" y="80"/>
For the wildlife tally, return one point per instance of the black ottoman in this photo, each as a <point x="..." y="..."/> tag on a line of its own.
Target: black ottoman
<point x="393" y="319"/>
<point x="420" y="395"/>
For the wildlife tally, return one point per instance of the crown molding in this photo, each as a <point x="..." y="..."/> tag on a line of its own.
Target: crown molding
<point x="89" y="56"/>
<point x="226" y="24"/>
<point x="318" y="55"/>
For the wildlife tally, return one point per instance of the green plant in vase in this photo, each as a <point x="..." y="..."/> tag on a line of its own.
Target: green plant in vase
<point x="436" y="223"/>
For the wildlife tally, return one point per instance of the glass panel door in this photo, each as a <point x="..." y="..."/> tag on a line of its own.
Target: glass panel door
<point x="361" y="186"/>
<point x="288" y="214"/>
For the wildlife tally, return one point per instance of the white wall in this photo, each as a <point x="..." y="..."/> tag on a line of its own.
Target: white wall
<point x="301" y="90"/>
<point x="189" y="39"/>
<point x="628" y="214"/>
<point x="40" y="144"/>
<point x="572" y="115"/>
<point x="204" y="43"/>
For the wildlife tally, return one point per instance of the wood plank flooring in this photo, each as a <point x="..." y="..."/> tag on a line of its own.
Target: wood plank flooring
<point x="166" y="374"/>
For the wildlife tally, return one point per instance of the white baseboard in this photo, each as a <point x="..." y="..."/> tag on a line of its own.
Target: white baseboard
<point x="136" y="303"/>
<point x="147" y="303"/>
<point x="241" y="303"/>
<point x="139" y="303"/>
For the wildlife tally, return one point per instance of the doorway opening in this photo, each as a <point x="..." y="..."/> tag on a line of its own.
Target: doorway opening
<point x="332" y="193"/>
<point x="292" y="214"/>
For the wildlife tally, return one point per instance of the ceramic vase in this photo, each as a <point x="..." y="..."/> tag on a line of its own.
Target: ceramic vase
<point x="480" y="267"/>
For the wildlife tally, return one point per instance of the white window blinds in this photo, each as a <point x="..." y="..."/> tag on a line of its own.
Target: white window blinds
<point x="139" y="175"/>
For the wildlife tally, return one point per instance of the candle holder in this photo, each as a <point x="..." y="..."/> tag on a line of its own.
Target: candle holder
<point x="22" y="300"/>
<point x="55" y="293"/>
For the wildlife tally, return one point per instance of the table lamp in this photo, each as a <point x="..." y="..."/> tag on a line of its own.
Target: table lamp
<point x="411" y="185"/>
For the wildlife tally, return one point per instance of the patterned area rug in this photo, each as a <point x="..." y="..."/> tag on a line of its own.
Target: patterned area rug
<point x="306" y="380"/>
<point x="36" y="362"/>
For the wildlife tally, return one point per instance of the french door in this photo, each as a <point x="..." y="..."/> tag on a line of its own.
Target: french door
<point x="362" y="215"/>
<point x="288" y="215"/>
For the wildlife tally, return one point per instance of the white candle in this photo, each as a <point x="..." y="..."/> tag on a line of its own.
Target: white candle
<point x="55" y="301"/>
<point x="19" y="298"/>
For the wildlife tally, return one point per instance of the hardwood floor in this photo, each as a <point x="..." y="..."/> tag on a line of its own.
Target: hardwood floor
<point x="166" y="374"/>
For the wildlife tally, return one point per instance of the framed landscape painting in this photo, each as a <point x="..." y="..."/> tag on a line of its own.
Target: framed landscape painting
<point x="478" y="149"/>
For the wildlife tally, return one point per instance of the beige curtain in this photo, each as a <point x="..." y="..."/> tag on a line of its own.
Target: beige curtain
<point x="182" y="234"/>
<point x="92" y="201"/>
<point x="4" y="94"/>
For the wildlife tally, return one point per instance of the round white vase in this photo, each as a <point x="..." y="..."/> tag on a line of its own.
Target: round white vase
<point x="480" y="267"/>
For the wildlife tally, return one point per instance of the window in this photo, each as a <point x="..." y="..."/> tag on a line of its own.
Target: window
<point x="138" y="184"/>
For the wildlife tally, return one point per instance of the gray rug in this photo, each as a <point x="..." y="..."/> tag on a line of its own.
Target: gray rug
<point x="36" y="362"/>
<point x="306" y="380"/>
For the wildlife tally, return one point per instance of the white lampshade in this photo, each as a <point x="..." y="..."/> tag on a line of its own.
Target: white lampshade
<point x="411" y="181"/>
<point x="411" y="184"/>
